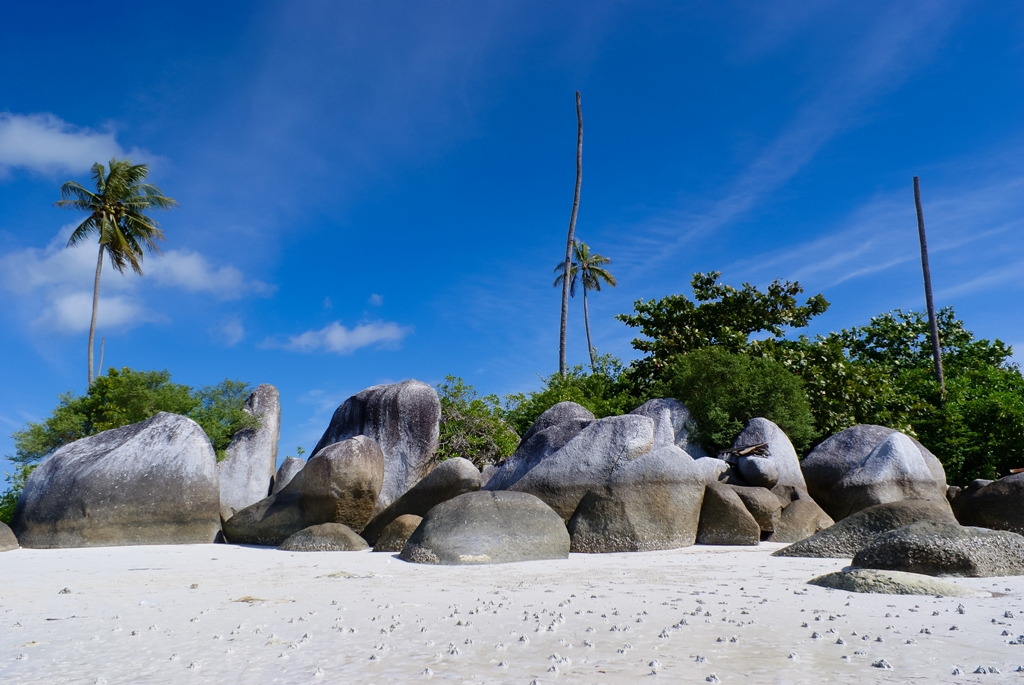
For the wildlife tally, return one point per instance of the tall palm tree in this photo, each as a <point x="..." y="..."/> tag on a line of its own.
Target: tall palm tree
<point x="588" y="269"/>
<point x="571" y="239"/>
<point x="117" y="215"/>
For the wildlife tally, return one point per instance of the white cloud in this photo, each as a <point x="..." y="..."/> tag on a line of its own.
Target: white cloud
<point x="342" y="340"/>
<point x="192" y="272"/>
<point x="72" y="313"/>
<point x="49" y="283"/>
<point x="47" y="144"/>
<point x="376" y="300"/>
<point x="230" y="332"/>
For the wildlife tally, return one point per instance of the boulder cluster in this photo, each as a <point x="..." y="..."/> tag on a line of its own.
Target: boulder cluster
<point x="576" y="483"/>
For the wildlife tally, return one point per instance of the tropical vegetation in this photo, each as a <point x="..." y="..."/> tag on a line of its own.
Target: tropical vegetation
<point x="119" y="398"/>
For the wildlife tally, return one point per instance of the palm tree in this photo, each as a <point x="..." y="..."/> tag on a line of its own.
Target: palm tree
<point x="570" y="240"/>
<point x="588" y="269"/>
<point x="117" y="215"/>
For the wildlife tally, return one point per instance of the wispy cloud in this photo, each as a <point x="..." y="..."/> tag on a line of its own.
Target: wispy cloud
<point x="968" y="227"/>
<point x="340" y="339"/>
<point x="72" y="313"/>
<point x="44" y="143"/>
<point x="53" y="284"/>
<point x="879" y="62"/>
<point x="229" y="332"/>
<point x="193" y="273"/>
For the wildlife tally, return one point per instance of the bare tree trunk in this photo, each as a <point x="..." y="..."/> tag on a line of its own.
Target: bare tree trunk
<point x="95" y="306"/>
<point x="572" y="230"/>
<point x="932" y="323"/>
<point x="586" y="322"/>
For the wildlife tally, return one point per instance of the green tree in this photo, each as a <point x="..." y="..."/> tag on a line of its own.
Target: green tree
<point x="723" y="390"/>
<point x="588" y="269"/>
<point x="127" y="396"/>
<point x="719" y="315"/>
<point x="16" y="483"/>
<point x="606" y="391"/>
<point x="472" y="426"/>
<point x="118" y="217"/>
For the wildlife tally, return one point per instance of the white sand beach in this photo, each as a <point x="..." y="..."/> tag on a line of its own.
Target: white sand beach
<point x="229" y="614"/>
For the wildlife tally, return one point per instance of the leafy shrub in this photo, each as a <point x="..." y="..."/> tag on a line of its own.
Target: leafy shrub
<point x="606" y="392"/>
<point x="472" y="426"/>
<point x="127" y="396"/>
<point x="724" y="390"/>
<point x="121" y="398"/>
<point x="9" y="498"/>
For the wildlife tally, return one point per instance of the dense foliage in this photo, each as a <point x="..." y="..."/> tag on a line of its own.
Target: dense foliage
<point x="718" y="316"/>
<point x="16" y="483"/>
<point x="121" y="398"/>
<point x="606" y="391"/>
<point x="472" y="426"/>
<point x="977" y="428"/>
<point x="128" y="396"/>
<point x="723" y="390"/>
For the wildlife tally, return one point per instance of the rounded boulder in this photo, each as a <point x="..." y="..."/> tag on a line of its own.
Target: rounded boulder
<point x="488" y="528"/>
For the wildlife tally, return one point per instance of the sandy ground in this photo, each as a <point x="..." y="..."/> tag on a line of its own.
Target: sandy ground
<point x="228" y="614"/>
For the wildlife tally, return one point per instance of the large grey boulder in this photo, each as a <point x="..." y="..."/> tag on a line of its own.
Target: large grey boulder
<point x="943" y="549"/>
<point x="451" y="478"/>
<point x="583" y="463"/>
<point x="781" y="462"/>
<point x="488" y="528"/>
<point x="648" y="503"/>
<point x="717" y="470"/>
<point x="8" y="541"/>
<point x="843" y="453"/>
<point x="150" y="483"/>
<point x="397" y="533"/>
<point x="994" y="504"/>
<point x="247" y="472"/>
<point x="724" y="519"/>
<point x="326" y="537"/>
<point x="848" y="536"/>
<point x="890" y="583"/>
<point x="673" y="425"/>
<point x="563" y="412"/>
<point x="340" y="484"/>
<point x="288" y="470"/>
<point x="548" y="434"/>
<point x="403" y="419"/>
<point x="894" y="470"/>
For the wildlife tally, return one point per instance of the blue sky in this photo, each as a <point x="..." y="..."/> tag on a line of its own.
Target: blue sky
<point x="378" y="191"/>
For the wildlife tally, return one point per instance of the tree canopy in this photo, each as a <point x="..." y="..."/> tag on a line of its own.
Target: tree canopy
<point x="719" y="315"/>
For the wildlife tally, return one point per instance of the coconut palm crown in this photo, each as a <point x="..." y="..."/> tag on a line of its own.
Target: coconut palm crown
<point x="588" y="269"/>
<point x="117" y="216"/>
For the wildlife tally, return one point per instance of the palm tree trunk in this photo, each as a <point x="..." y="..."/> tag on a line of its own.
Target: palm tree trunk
<point x="572" y="230"/>
<point x="932" y="323"/>
<point x="586" y="322"/>
<point x="95" y="306"/>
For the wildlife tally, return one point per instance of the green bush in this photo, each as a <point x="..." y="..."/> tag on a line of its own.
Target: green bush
<point x="16" y="482"/>
<point x="121" y="398"/>
<point x="471" y="426"/>
<point x="606" y="391"/>
<point x="127" y="396"/>
<point x="724" y="390"/>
